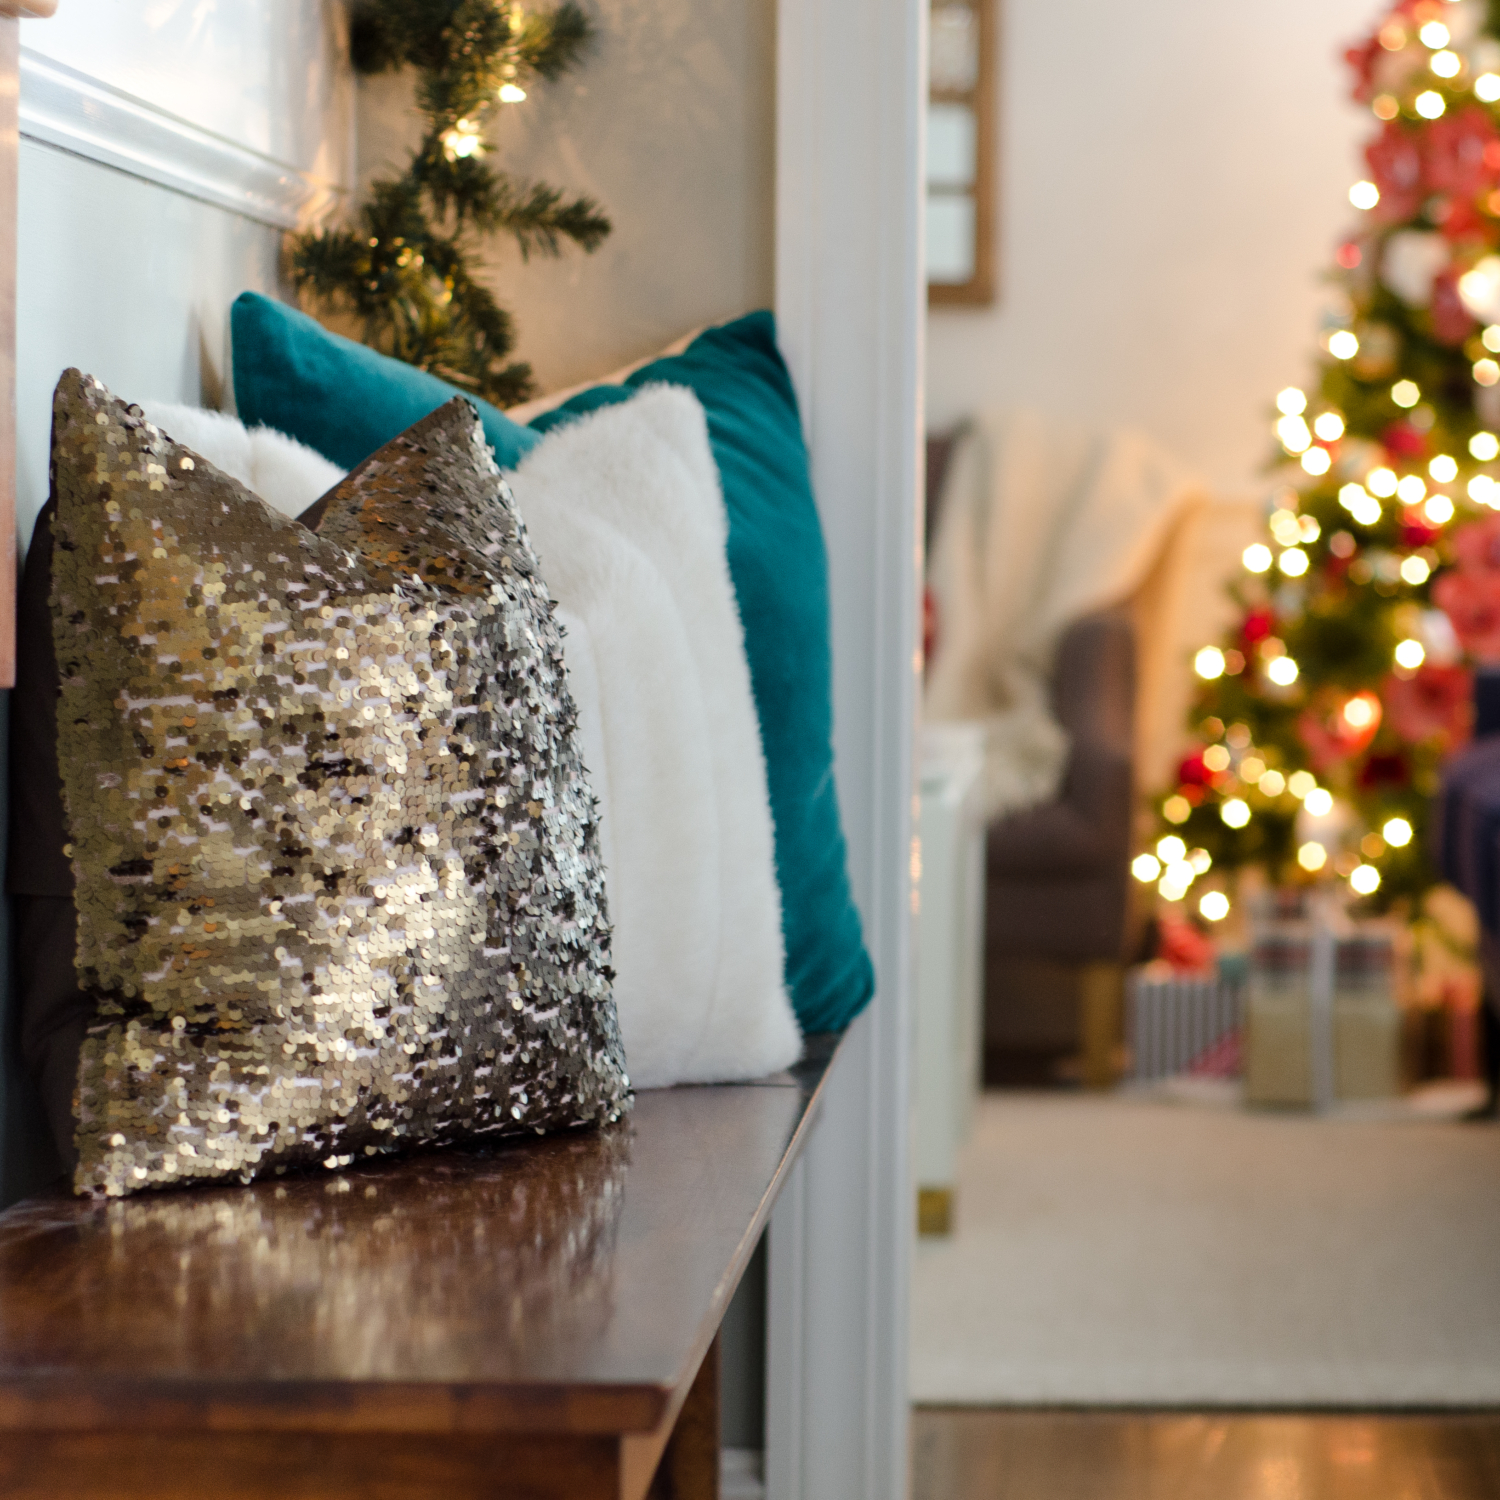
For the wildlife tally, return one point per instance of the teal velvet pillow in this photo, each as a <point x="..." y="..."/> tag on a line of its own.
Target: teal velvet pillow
<point x="780" y="574"/>
<point x="338" y="397"/>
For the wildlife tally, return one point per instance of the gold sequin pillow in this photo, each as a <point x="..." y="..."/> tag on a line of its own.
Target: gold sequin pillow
<point x="336" y="858"/>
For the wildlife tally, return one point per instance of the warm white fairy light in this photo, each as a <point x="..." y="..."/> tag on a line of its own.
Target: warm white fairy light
<point x="1397" y="833"/>
<point x="1445" y="64"/>
<point x="1216" y="758"/>
<point x="1285" y="526"/>
<point x="1235" y="812"/>
<point x="1312" y="855"/>
<point x="1169" y="890"/>
<point x="511" y="93"/>
<point x="1309" y="528"/>
<point x="1487" y="87"/>
<point x="1406" y="393"/>
<point x="1482" y="489"/>
<point x="1201" y="861"/>
<point x="1282" y="671"/>
<point x="1294" y="434"/>
<point x="463" y="139"/>
<point x="1209" y="663"/>
<point x="1252" y="768"/>
<point x="1381" y="482"/>
<point x="1300" y="783"/>
<point x="1170" y="849"/>
<point x="1177" y="809"/>
<point x="1410" y="654"/>
<point x="1291" y="402"/>
<point x="1319" y="802"/>
<point x="1412" y="489"/>
<point x="1486" y="371"/>
<point x="1343" y="345"/>
<point x="1429" y="104"/>
<point x="1329" y="426"/>
<point x="1293" y="562"/>
<point x="1438" y="510"/>
<point x="1145" y="868"/>
<point x="1385" y="106"/>
<point x="1256" y="557"/>
<point x="1435" y="35"/>
<point x="1490" y="338"/>
<point x="1444" y="468"/>
<point x="1273" y="783"/>
<point x="1364" y="880"/>
<point x="1415" y="570"/>
<point x="1359" y="712"/>
<point x="1214" y="906"/>
<point x="1316" y="461"/>
<point x="1484" y="446"/>
<point x="1364" y="195"/>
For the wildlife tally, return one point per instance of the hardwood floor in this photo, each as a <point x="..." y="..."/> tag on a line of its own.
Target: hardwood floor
<point x="968" y="1454"/>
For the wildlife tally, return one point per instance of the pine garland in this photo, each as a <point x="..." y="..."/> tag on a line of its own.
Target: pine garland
<point x="405" y="267"/>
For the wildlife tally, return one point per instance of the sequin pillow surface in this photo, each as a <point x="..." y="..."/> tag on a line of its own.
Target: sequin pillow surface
<point x="336" y="857"/>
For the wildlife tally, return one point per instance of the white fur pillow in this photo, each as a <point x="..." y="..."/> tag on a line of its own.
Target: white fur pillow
<point x="282" y="471"/>
<point x="627" y="517"/>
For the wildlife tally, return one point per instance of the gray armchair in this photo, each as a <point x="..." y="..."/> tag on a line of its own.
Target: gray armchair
<point x="1059" y="923"/>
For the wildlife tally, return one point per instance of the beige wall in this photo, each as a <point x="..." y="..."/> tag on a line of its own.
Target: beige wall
<point x="1172" y="182"/>
<point x="670" y="125"/>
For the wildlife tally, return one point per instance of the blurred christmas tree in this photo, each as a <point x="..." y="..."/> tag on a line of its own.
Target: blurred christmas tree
<point x="405" y="269"/>
<point x="1322" y="723"/>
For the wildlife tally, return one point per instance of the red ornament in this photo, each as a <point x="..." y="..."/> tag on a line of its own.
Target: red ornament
<point x="1395" y="162"/>
<point x="1256" y="626"/>
<point x="1180" y="944"/>
<point x="1455" y="152"/>
<point x="1192" y="771"/>
<point x="1477" y="546"/>
<point x="1434" y="703"/>
<point x="1387" y="769"/>
<point x="1451" y="320"/>
<point x="1402" y="440"/>
<point x="1416" y="529"/>
<point x="1338" y="727"/>
<point x="1472" y="602"/>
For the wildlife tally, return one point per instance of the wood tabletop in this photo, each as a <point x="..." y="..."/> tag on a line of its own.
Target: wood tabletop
<point x="565" y="1285"/>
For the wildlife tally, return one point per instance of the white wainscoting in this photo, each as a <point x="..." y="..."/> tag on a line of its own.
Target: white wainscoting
<point x="851" y="312"/>
<point x="63" y="107"/>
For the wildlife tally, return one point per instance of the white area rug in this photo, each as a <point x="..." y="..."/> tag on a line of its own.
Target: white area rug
<point x="1118" y="1251"/>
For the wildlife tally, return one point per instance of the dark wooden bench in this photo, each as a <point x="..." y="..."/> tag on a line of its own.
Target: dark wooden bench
<point x="532" y="1319"/>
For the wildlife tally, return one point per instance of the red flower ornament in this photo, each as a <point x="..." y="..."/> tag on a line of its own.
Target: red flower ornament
<point x="1434" y="703"/>
<point x="1395" y="162"/>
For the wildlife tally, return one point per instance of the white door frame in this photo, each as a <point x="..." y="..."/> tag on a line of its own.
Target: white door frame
<point x="850" y="307"/>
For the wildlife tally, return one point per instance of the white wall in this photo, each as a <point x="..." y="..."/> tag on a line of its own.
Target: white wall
<point x="131" y="280"/>
<point x="1173" y="179"/>
<point x="669" y="123"/>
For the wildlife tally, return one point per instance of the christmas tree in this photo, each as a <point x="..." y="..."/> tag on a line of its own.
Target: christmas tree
<point x="1322" y="722"/>
<point x="405" y="268"/>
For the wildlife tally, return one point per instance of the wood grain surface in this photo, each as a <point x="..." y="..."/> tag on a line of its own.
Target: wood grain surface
<point x="498" y="1309"/>
<point x="1075" y="1455"/>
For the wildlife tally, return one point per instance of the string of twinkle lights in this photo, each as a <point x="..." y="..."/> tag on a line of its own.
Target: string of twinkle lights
<point x="408" y="267"/>
<point x="1322" y="721"/>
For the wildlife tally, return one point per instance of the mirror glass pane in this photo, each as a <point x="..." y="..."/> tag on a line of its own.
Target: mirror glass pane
<point x="953" y="48"/>
<point x="951" y="142"/>
<point x="950" y="238"/>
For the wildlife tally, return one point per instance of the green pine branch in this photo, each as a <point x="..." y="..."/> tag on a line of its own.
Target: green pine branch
<point x="405" y="268"/>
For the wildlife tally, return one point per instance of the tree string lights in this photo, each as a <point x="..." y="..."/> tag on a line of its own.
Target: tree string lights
<point x="405" y="268"/>
<point x="1323" y="720"/>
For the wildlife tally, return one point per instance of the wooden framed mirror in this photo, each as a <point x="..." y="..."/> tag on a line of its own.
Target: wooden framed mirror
<point x="961" y="153"/>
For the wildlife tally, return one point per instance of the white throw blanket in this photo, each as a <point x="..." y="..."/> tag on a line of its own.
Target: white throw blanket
<point x="627" y="517"/>
<point x="1042" y="524"/>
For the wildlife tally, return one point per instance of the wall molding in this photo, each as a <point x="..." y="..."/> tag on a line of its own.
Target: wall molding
<point x="850" y="317"/>
<point x="63" y="107"/>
